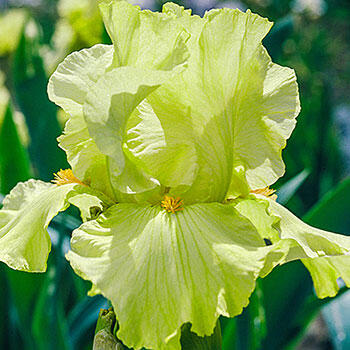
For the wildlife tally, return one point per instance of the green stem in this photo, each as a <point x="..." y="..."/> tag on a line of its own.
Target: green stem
<point x="104" y="333"/>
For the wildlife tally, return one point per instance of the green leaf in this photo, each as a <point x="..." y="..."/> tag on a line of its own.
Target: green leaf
<point x="49" y="325"/>
<point x="191" y="341"/>
<point x="332" y="211"/>
<point x="83" y="317"/>
<point x="281" y="31"/>
<point x="247" y="331"/>
<point x="286" y="284"/>
<point x="22" y="288"/>
<point x="30" y="86"/>
<point x="14" y="164"/>
<point x="288" y="190"/>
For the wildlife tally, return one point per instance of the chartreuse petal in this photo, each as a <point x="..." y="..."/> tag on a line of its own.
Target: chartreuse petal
<point x="110" y="102"/>
<point x="86" y="160"/>
<point x="325" y="254"/>
<point x="165" y="151"/>
<point x="325" y="272"/>
<point x="143" y="38"/>
<point x="314" y="242"/>
<point x="161" y="52"/>
<point x="259" y="143"/>
<point x="68" y="87"/>
<point x="89" y="201"/>
<point x="26" y="214"/>
<point x="72" y="79"/>
<point x="24" y="218"/>
<point x="229" y="93"/>
<point x="162" y="270"/>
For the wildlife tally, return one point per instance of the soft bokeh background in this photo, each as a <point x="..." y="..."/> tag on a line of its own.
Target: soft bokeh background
<point x="52" y="311"/>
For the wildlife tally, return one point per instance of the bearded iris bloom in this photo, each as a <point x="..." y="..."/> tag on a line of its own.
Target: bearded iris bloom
<point x="175" y="134"/>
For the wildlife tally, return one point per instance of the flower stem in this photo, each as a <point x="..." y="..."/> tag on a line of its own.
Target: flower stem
<point x="104" y="334"/>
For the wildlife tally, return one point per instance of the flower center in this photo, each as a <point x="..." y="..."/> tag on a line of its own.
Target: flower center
<point x="267" y="192"/>
<point x="64" y="177"/>
<point x="171" y="204"/>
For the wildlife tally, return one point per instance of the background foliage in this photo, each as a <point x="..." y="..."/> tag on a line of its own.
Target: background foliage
<point x="52" y="311"/>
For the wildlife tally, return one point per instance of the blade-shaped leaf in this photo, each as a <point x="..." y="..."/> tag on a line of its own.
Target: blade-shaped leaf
<point x="49" y="324"/>
<point x="30" y="83"/>
<point x="288" y="190"/>
<point x="82" y="319"/>
<point x="14" y="167"/>
<point x="247" y="331"/>
<point x="14" y="164"/>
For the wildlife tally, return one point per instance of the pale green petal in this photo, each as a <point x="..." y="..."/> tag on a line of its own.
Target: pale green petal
<point x="107" y="108"/>
<point x="157" y="43"/>
<point x="324" y="254"/>
<point x="71" y="81"/>
<point x="68" y="87"/>
<point x="314" y="242"/>
<point x="161" y="270"/>
<point x="256" y="210"/>
<point x="143" y="38"/>
<point x="26" y="214"/>
<point x="110" y="102"/>
<point x="326" y="271"/>
<point x="89" y="201"/>
<point x="161" y="149"/>
<point x="87" y="162"/>
<point x="265" y="120"/>
<point x="230" y="98"/>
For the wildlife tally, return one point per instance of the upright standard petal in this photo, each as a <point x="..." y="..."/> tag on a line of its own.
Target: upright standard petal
<point x="24" y="218"/>
<point x="161" y="270"/>
<point x="71" y="81"/>
<point x="143" y="38"/>
<point x="230" y="93"/>
<point x="68" y="87"/>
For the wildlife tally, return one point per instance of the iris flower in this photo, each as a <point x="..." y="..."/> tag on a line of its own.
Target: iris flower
<point x="175" y="135"/>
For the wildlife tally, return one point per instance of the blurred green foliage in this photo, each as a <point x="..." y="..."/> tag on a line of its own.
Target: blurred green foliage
<point x="52" y="311"/>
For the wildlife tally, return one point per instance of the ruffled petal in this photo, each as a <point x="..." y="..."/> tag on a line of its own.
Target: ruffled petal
<point x="68" y="87"/>
<point x="325" y="273"/>
<point x="231" y="93"/>
<point x="24" y="218"/>
<point x="143" y="38"/>
<point x="71" y="81"/>
<point x="107" y="109"/>
<point x="86" y="160"/>
<point x="314" y="242"/>
<point x="325" y="254"/>
<point x="162" y="270"/>
<point x="160" y="148"/>
<point x="27" y="212"/>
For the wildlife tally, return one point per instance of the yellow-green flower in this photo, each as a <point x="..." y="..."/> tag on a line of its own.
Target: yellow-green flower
<point x="175" y="132"/>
